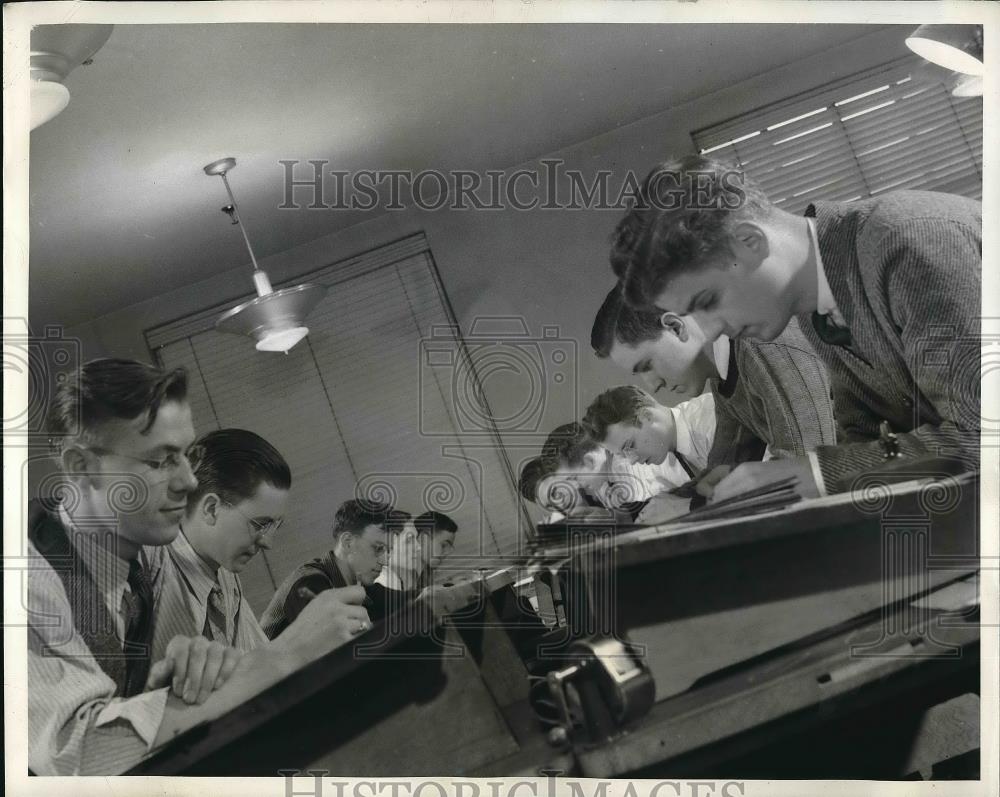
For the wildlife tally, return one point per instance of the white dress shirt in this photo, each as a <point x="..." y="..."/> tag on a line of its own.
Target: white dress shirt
<point x="389" y="579"/>
<point x="825" y="305"/>
<point x="695" y="423"/>
<point x="720" y="353"/>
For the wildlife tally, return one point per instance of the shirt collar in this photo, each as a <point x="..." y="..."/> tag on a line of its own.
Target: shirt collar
<point x="108" y="570"/>
<point x="634" y="480"/>
<point x="199" y="575"/>
<point x="345" y="569"/>
<point x="825" y="303"/>
<point x="720" y="351"/>
<point x="682" y="431"/>
<point x="390" y="578"/>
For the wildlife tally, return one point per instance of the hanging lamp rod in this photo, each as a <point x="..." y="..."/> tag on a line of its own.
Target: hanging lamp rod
<point x="220" y="167"/>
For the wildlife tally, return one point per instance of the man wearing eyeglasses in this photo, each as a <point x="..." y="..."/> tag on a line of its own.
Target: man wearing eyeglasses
<point x="362" y="532"/>
<point x="233" y="514"/>
<point x="97" y="701"/>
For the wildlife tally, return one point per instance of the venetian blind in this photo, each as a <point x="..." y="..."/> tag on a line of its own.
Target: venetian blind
<point x="346" y="409"/>
<point x="885" y="129"/>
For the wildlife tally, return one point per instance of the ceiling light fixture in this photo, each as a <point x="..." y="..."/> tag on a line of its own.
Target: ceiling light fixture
<point x="968" y="86"/>
<point x="56" y="50"/>
<point x="275" y="319"/>
<point x="955" y="47"/>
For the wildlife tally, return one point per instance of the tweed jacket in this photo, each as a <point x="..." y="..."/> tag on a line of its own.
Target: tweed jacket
<point x="776" y="394"/>
<point x="905" y="270"/>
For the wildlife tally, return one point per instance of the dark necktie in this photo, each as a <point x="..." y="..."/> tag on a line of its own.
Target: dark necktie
<point x="829" y="332"/>
<point x="215" y="617"/>
<point x="684" y="464"/>
<point x="138" y="629"/>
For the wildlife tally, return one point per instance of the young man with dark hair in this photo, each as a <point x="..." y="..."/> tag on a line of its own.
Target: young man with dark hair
<point x="886" y="289"/>
<point x="573" y="455"/>
<point x="417" y="550"/>
<point x="362" y="534"/>
<point x="769" y="396"/>
<point x="436" y="532"/>
<point x="540" y="483"/>
<point x="96" y="702"/>
<point x="233" y="514"/>
<point x="532" y="473"/>
<point x="627" y="420"/>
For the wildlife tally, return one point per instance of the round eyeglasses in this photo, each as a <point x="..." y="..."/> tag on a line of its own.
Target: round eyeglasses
<point x="256" y="527"/>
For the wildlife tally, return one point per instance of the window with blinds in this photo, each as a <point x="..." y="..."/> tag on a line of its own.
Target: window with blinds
<point x="882" y="130"/>
<point x="344" y="408"/>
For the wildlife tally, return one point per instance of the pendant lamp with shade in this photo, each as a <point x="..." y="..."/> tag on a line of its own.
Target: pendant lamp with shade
<point x="955" y="53"/>
<point x="56" y="50"/>
<point x="274" y="319"/>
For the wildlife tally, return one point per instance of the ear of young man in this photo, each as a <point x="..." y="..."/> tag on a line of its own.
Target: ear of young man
<point x="81" y="466"/>
<point x="594" y="460"/>
<point x="209" y="508"/>
<point x="749" y="243"/>
<point x="675" y="326"/>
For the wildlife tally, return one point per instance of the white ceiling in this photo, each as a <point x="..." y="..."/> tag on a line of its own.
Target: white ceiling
<point x="121" y="211"/>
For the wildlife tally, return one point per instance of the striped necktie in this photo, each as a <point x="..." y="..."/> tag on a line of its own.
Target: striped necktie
<point x="138" y="629"/>
<point x="216" y="626"/>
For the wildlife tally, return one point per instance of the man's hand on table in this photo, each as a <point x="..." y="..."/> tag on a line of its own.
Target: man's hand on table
<point x="330" y="619"/>
<point x="451" y="598"/>
<point x="662" y="508"/>
<point x="722" y="482"/>
<point x="193" y="667"/>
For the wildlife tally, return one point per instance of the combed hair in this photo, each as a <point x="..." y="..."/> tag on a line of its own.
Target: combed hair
<point x="567" y="444"/>
<point x="532" y="472"/>
<point x="602" y="333"/>
<point x="618" y="322"/>
<point x="111" y="389"/>
<point x="396" y="520"/>
<point x="233" y="463"/>
<point x="433" y="522"/>
<point x="636" y="326"/>
<point x="354" y="514"/>
<point x="680" y="219"/>
<point x="620" y="404"/>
